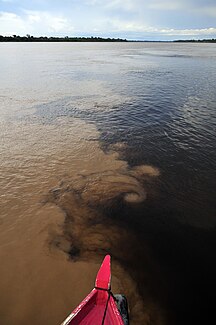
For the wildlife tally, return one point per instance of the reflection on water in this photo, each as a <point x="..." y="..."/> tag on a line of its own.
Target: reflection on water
<point x="107" y="148"/>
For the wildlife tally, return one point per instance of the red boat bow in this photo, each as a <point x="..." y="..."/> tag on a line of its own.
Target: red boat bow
<point x="103" y="279"/>
<point x="99" y="307"/>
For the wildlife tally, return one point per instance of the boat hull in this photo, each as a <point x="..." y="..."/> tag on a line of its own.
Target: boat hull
<point x="99" y="307"/>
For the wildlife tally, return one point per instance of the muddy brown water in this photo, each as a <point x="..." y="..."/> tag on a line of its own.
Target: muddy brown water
<point x="107" y="148"/>
<point x="60" y="210"/>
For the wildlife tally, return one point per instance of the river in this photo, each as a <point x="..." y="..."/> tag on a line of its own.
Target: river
<point x="108" y="148"/>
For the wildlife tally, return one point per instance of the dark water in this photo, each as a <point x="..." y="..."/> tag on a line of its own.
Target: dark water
<point x="159" y="100"/>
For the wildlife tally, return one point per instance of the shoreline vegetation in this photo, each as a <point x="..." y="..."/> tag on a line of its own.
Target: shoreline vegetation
<point x="212" y="40"/>
<point x="29" y="38"/>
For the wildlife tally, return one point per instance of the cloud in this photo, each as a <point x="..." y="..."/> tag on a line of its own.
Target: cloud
<point x="51" y="22"/>
<point x="141" y="6"/>
<point x="34" y="22"/>
<point x="210" y="11"/>
<point x="189" y="32"/>
<point x="44" y="23"/>
<point x="132" y="19"/>
<point x="132" y="26"/>
<point x="11" y="23"/>
<point x="114" y="4"/>
<point x="124" y="5"/>
<point x="166" y="5"/>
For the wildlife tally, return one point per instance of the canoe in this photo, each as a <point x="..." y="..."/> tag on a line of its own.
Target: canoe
<point x="99" y="307"/>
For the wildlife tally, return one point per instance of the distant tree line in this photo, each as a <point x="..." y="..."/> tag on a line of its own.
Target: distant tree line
<point x="212" y="40"/>
<point x="29" y="38"/>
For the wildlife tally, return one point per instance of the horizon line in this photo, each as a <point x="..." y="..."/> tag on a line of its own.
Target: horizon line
<point x="67" y="38"/>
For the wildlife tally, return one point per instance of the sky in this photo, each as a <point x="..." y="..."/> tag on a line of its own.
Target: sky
<point x="130" y="19"/>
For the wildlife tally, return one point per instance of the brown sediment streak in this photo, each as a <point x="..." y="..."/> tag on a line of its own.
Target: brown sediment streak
<point x="87" y="203"/>
<point x="90" y="231"/>
<point x="145" y="170"/>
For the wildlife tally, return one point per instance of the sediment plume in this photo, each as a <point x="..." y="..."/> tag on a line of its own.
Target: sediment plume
<point x="92" y="227"/>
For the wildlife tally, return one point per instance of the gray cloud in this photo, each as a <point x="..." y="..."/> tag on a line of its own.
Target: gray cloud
<point x="131" y="19"/>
